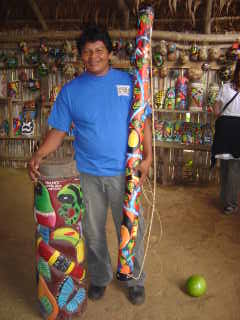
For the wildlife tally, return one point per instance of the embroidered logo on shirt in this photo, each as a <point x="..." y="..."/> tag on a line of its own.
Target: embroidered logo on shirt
<point x="123" y="90"/>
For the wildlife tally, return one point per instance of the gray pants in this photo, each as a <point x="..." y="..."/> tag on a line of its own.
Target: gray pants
<point x="99" y="194"/>
<point x="230" y="182"/>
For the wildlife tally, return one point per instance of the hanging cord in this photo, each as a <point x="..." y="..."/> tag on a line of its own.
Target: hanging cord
<point x="153" y="191"/>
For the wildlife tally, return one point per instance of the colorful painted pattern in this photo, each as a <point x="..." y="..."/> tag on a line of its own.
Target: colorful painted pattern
<point x="61" y="273"/>
<point x="141" y="96"/>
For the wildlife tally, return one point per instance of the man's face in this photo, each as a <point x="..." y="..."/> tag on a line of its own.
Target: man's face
<point x="95" y="57"/>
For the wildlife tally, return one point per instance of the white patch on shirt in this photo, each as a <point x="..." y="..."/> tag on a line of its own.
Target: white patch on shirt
<point x="123" y="90"/>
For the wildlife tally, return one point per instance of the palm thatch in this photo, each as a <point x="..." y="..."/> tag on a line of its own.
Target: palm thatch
<point x="201" y="16"/>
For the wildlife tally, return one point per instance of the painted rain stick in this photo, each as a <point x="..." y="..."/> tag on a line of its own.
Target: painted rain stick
<point x="141" y="96"/>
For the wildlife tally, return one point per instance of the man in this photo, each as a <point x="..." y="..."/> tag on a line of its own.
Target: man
<point x="98" y="103"/>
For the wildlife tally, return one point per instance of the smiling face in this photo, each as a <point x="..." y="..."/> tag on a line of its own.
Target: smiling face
<point x="95" y="57"/>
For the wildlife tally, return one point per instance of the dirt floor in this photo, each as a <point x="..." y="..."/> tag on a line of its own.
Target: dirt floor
<point x="197" y="239"/>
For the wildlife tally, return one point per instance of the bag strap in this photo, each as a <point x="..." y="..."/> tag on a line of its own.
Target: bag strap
<point x="227" y="104"/>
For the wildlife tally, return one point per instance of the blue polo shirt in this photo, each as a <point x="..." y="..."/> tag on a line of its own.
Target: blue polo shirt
<point x="99" y="108"/>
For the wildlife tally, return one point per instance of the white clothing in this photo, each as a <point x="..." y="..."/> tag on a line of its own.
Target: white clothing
<point x="225" y="94"/>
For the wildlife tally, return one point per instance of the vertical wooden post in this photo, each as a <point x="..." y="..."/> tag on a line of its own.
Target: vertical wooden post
<point x="207" y="15"/>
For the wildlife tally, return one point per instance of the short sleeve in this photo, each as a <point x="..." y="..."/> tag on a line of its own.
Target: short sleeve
<point x="60" y="117"/>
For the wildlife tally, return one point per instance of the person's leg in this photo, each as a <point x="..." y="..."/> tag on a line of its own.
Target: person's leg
<point x="116" y="191"/>
<point x="232" y="183"/>
<point x="223" y="181"/>
<point x="98" y="259"/>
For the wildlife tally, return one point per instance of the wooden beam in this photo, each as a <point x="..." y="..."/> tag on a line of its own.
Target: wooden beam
<point x="207" y="16"/>
<point x="124" y="12"/>
<point x="38" y="13"/>
<point x="130" y="34"/>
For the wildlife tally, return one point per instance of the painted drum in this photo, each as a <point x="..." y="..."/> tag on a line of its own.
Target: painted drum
<point x="60" y="250"/>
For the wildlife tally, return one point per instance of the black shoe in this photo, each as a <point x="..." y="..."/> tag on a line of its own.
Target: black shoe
<point x="136" y="295"/>
<point x="95" y="292"/>
<point x="228" y="210"/>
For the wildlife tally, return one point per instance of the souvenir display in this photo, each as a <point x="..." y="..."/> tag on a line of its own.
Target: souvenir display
<point x="159" y="130"/>
<point x="12" y="62"/>
<point x="129" y="47"/>
<point x="194" y="52"/>
<point x="4" y="124"/>
<point x="225" y="73"/>
<point x="32" y="57"/>
<point x="163" y="48"/>
<point x="42" y="69"/>
<point x="213" y="90"/>
<point x="172" y="51"/>
<point x="168" y="131"/>
<point x="196" y="96"/>
<point x="16" y="120"/>
<point x="158" y="59"/>
<point x="141" y="100"/>
<point x="205" y="67"/>
<point x="169" y="102"/>
<point x="234" y="52"/>
<point x="43" y="46"/>
<point x="207" y="134"/>
<point x="33" y="84"/>
<point x="60" y="252"/>
<point x="177" y="131"/>
<point x="14" y="89"/>
<point x="163" y="72"/>
<point x="3" y="84"/>
<point x="69" y="70"/>
<point x="28" y="119"/>
<point x="174" y="74"/>
<point x="159" y="99"/>
<point x="203" y="53"/>
<point x="180" y="131"/>
<point x="213" y="53"/>
<point x="54" y="92"/>
<point x="181" y="93"/>
<point x="195" y="74"/>
<point x="183" y="57"/>
<point x="23" y="47"/>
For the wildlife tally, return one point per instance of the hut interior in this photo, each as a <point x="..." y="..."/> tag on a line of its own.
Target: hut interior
<point x="195" y="44"/>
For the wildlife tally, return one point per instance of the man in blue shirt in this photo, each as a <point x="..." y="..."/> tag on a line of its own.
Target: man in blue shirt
<point x="98" y="104"/>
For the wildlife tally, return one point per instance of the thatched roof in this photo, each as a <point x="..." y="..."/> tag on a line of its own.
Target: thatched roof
<point x="201" y="16"/>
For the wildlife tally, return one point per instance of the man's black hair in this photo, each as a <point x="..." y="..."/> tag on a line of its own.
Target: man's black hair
<point x="92" y="34"/>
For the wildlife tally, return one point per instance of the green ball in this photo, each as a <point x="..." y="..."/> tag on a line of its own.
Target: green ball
<point x="196" y="286"/>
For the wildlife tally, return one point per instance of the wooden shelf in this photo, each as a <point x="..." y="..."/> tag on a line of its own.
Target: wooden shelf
<point x="183" y="111"/>
<point x="175" y="145"/>
<point x="13" y="158"/>
<point x="20" y="138"/>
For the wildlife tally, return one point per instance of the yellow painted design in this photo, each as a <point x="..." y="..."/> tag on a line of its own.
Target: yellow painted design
<point x="53" y="258"/>
<point x="133" y="139"/>
<point x="70" y="268"/>
<point x="80" y="251"/>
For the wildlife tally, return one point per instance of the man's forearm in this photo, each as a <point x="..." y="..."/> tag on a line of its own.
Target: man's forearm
<point x="147" y="141"/>
<point x="51" y="143"/>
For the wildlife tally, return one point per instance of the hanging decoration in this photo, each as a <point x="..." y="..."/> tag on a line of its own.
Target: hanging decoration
<point x="134" y="153"/>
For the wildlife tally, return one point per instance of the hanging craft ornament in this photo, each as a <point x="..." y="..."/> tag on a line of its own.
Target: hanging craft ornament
<point x="141" y="97"/>
<point x="32" y="58"/>
<point x="42" y="69"/>
<point x="12" y="61"/>
<point x="23" y="47"/>
<point x="43" y="46"/>
<point x="33" y="84"/>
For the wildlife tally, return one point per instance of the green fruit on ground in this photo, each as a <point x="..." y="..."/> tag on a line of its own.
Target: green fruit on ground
<point x="196" y="286"/>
